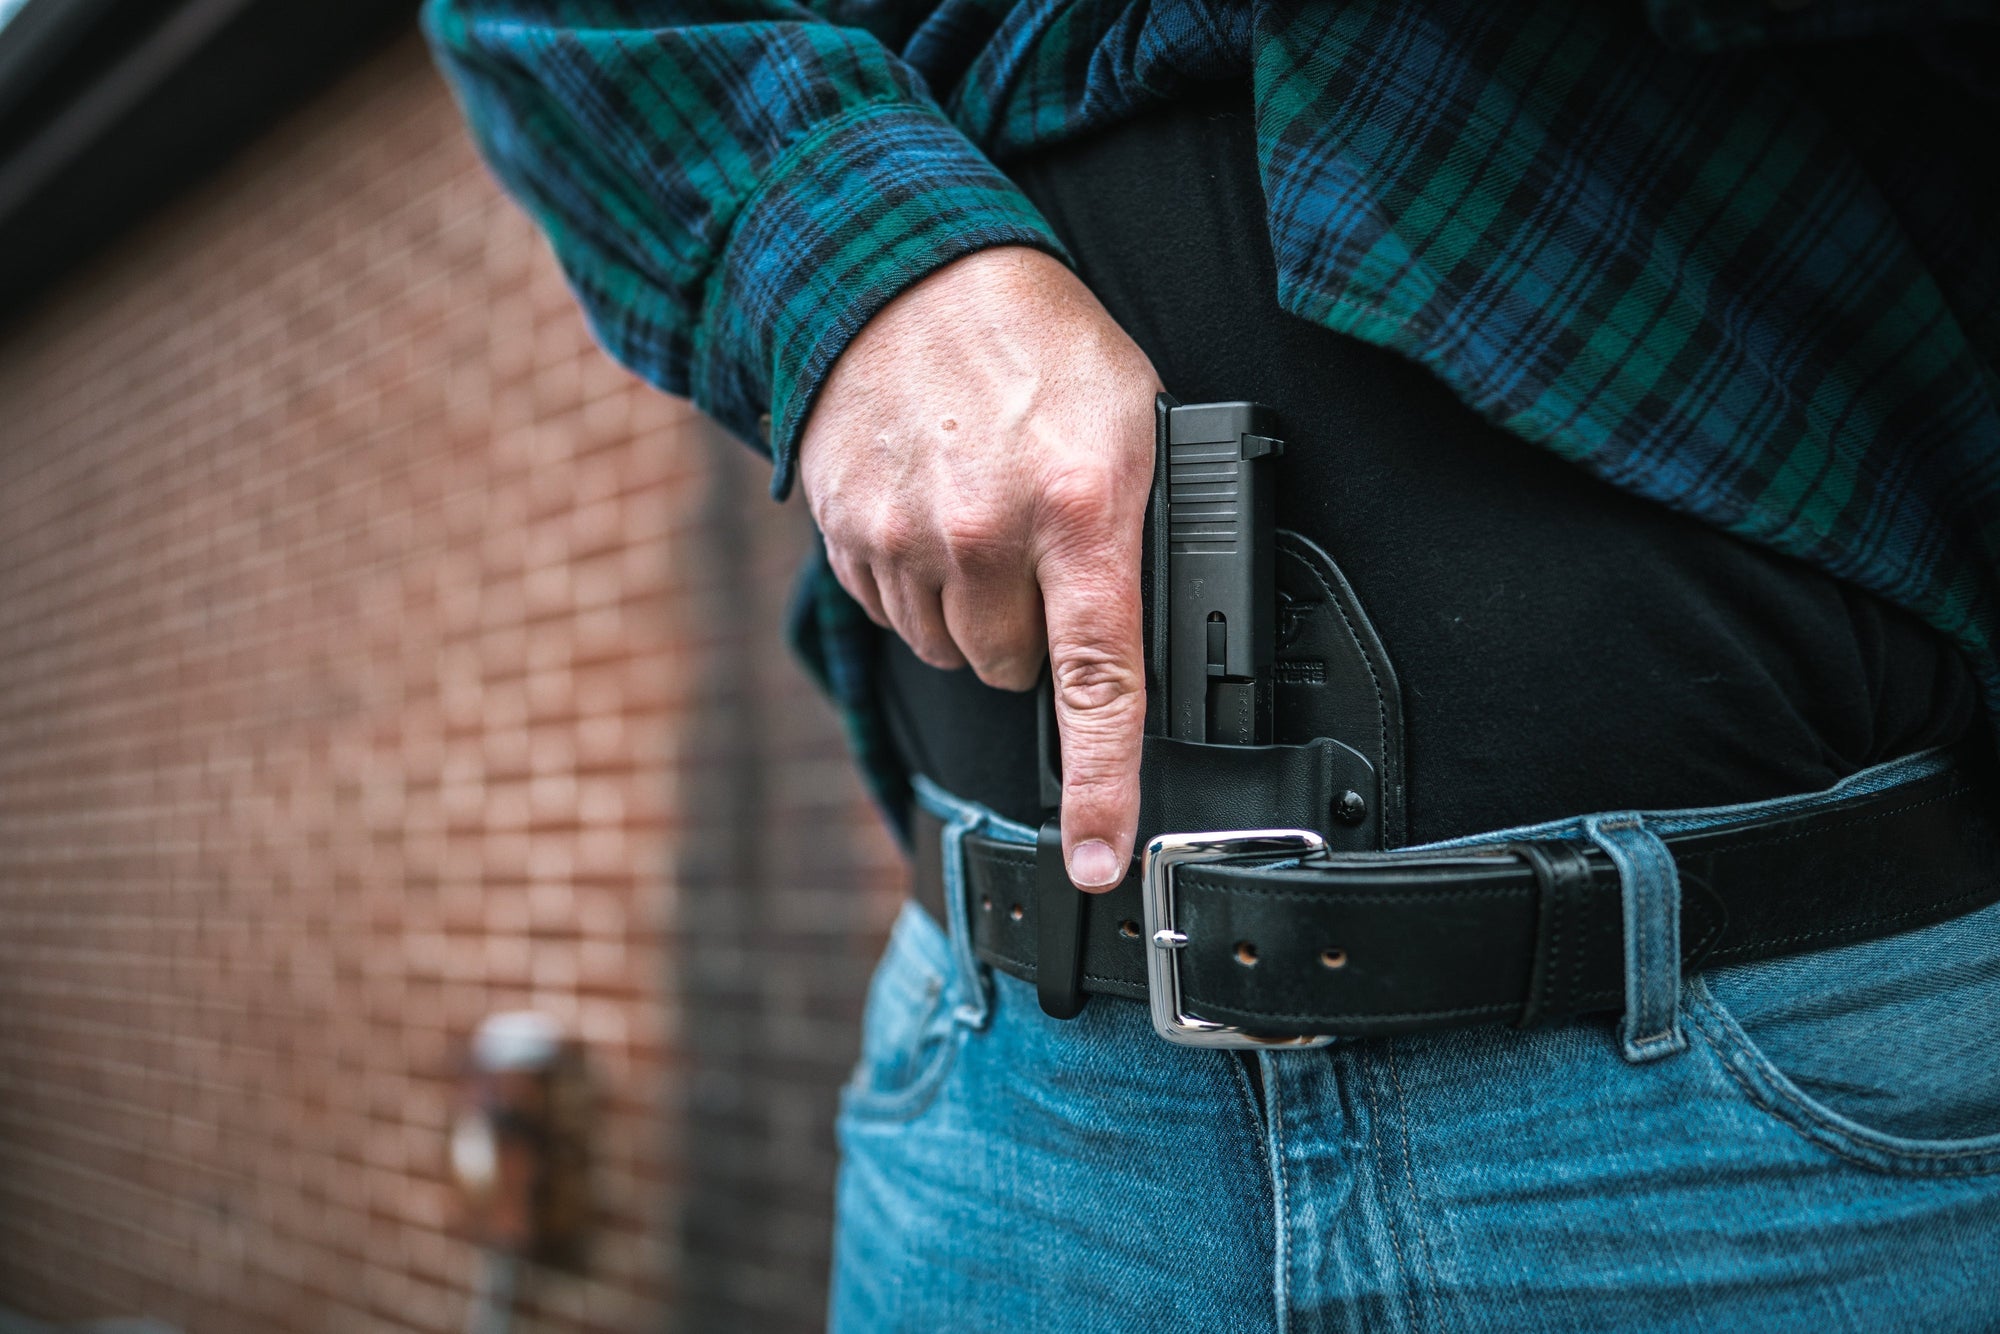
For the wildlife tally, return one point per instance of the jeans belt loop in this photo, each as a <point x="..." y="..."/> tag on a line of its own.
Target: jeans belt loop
<point x="971" y="981"/>
<point x="1650" y="889"/>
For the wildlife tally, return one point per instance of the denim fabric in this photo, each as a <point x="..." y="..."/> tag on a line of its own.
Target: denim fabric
<point x="1823" y="1155"/>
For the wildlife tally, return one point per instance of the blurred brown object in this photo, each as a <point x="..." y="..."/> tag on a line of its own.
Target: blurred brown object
<point x="520" y="1141"/>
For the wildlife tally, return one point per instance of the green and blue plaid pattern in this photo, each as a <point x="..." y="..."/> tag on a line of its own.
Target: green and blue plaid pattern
<point x="1643" y="236"/>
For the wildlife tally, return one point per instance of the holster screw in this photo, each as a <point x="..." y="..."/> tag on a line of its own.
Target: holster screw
<point x="1352" y="808"/>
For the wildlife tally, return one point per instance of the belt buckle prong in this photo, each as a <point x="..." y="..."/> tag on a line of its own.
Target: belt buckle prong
<point x="1164" y="855"/>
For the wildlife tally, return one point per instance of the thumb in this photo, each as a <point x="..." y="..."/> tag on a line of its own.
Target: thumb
<point x="1097" y="666"/>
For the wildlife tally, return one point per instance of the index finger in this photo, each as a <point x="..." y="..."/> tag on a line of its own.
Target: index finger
<point x="1097" y="666"/>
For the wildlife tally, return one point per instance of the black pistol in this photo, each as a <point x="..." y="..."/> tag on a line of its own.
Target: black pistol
<point x="1221" y="591"/>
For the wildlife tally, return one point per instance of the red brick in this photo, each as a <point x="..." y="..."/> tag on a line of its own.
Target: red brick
<point x="368" y="658"/>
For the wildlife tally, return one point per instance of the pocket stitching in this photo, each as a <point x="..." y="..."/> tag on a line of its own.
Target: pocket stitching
<point x="912" y="1099"/>
<point x="1844" y="1138"/>
<point x="907" y="1101"/>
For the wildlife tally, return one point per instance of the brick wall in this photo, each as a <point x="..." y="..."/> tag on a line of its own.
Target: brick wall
<point x="375" y="655"/>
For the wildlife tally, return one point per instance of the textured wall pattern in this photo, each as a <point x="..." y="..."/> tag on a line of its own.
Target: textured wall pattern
<point x="375" y="655"/>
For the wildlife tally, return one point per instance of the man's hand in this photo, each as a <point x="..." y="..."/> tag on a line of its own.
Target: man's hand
<point x="979" y="461"/>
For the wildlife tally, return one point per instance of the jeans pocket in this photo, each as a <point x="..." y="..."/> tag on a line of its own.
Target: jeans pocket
<point x="908" y="1036"/>
<point x="1880" y="1051"/>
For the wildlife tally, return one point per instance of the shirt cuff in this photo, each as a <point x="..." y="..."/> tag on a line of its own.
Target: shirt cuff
<point x="847" y="218"/>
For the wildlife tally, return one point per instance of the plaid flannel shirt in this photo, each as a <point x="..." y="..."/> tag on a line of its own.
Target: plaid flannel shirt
<point x="1645" y="236"/>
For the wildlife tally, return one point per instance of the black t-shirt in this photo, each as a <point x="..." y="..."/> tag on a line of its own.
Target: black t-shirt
<point x="1563" y="646"/>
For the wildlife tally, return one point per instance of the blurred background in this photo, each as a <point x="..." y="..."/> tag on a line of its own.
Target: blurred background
<point x="377" y="657"/>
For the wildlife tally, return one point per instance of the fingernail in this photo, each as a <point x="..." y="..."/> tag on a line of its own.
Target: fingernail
<point x="1093" y="865"/>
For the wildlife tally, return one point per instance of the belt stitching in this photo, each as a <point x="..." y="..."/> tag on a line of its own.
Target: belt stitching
<point x="1721" y="955"/>
<point x="1504" y="1007"/>
<point x="1206" y="880"/>
<point x="1848" y="823"/>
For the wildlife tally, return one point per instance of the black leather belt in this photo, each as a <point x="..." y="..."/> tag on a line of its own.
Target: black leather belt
<point x="1363" y="943"/>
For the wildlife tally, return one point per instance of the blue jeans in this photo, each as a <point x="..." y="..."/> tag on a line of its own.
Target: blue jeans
<point x="1809" y="1144"/>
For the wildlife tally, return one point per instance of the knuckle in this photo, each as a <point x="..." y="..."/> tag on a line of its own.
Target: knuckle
<point x="889" y="534"/>
<point x="1096" y="682"/>
<point x="1008" y="671"/>
<point x="929" y="641"/>
<point x="1079" y="493"/>
<point x="878" y="523"/>
<point x="999" y="630"/>
<point x="979" y="538"/>
<point x="1100" y="793"/>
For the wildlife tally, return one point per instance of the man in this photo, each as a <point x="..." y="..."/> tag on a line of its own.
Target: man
<point x="1726" y="259"/>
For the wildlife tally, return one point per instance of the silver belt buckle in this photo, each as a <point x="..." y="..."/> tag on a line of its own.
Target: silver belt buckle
<point x="1163" y="974"/>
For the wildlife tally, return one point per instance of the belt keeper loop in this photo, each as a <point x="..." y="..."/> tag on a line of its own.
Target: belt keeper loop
<point x="1058" y="903"/>
<point x="1562" y="880"/>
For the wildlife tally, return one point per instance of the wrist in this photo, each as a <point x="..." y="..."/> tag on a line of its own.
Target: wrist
<point x="882" y="198"/>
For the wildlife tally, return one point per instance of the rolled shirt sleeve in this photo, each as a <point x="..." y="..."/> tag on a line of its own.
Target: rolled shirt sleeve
<point x="732" y="191"/>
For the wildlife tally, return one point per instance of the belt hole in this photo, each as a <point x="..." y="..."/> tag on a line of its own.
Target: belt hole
<point x="1129" y="929"/>
<point x="1333" y="958"/>
<point x="1016" y="912"/>
<point x="986" y="903"/>
<point x="1246" y="954"/>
